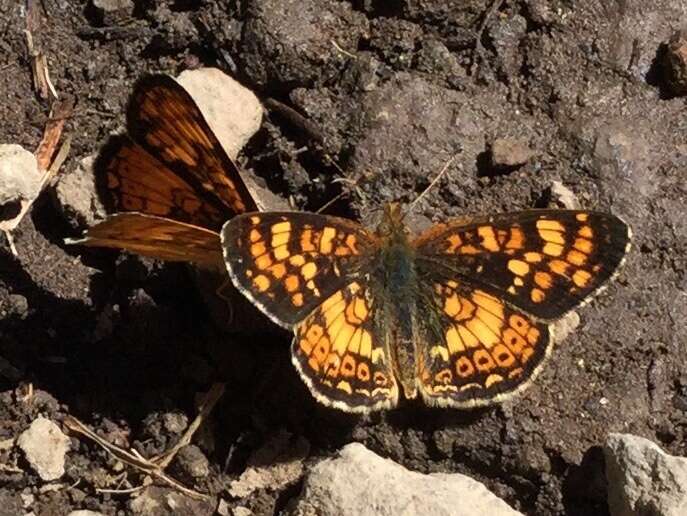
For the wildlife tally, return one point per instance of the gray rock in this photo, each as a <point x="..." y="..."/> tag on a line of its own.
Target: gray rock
<point x="76" y="196"/>
<point x="192" y="463"/>
<point x="675" y="63"/>
<point x="110" y="12"/>
<point x="360" y="483"/>
<point x="45" y="447"/>
<point x="510" y="152"/>
<point x="276" y="465"/>
<point x="642" y="479"/>
<point x="162" y="501"/>
<point x="299" y="42"/>
<point x="563" y="327"/>
<point x="14" y="305"/>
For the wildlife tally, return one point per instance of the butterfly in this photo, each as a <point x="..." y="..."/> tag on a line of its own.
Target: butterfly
<point x="459" y="315"/>
<point x="170" y="180"/>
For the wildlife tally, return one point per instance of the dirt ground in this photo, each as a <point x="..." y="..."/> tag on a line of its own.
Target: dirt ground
<point x="392" y="90"/>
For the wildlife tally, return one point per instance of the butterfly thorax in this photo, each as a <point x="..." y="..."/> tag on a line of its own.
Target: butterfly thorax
<point x="395" y="276"/>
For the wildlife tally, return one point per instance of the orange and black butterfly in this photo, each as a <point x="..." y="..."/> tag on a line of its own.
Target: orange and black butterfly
<point x="459" y="315"/>
<point x="170" y="180"/>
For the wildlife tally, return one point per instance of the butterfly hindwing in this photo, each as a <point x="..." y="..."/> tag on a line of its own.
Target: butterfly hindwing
<point x="473" y="348"/>
<point x="156" y="237"/>
<point x="341" y="354"/>
<point x="288" y="263"/>
<point x="544" y="262"/>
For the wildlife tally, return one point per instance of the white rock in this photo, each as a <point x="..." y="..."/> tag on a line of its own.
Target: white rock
<point x="643" y="479"/>
<point x="361" y="483"/>
<point x="20" y="183"/>
<point x="564" y="196"/>
<point x="233" y="112"/>
<point x="19" y="173"/>
<point x="85" y="512"/>
<point x="45" y="447"/>
<point x="563" y="327"/>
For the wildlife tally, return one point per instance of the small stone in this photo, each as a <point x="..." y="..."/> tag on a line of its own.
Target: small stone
<point x="192" y="463"/>
<point x="45" y="447"/>
<point x="359" y="482"/>
<point x="232" y="111"/>
<point x="223" y="508"/>
<point x="242" y="511"/>
<point x="76" y="195"/>
<point x="15" y="305"/>
<point x="159" y="501"/>
<point x="565" y="326"/>
<point x="675" y="64"/>
<point x="85" y="512"/>
<point x="20" y="183"/>
<point x="540" y="12"/>
<point x="643" y="479"/>
<point x="277" y="464"/>
<point x="110" y="12"/>
<point x="174" y="422"/>
<point x="563" y="196"/>
<point x="510" y="152"/>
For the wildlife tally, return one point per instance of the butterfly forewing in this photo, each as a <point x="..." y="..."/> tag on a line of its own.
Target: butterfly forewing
<point x="544" y="262"/>
<point x="138" y="182"/>
<point x="289" y="263"/>
<point x="171" y="176"/>
<point x="165" y="120"/>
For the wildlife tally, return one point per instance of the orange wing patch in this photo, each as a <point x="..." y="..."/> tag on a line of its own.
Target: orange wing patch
<point x="172" y="178"/>
<point x="165" y="120"/>
<point x="485" y="350"/>
<point x="545" y="262"/>
<point x="339" y="354"/>
<point x="156" y="237"/>
<point x="138" y="182"/>
<point x="288" y="263"/>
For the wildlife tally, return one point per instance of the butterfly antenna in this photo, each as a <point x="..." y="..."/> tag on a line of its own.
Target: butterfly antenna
<point x="342" y="179"/>
<point x="431" y="185"/>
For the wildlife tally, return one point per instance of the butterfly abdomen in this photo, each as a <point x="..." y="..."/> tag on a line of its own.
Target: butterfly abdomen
<point x="397" y="278"/>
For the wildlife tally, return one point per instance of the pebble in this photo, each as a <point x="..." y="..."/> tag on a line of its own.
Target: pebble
<point x="45" y="447"/>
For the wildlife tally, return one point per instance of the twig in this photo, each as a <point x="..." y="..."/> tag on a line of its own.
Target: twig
<point x="48" y="163"/>
<point x="344" y="52"/>
<point x="209" y="401"/>
<point x="130" y="458"/>
<point x="479" y="49"/>
<point x="10" y="242"/>
<point x="295" y="118"/>
<point x="431" y="185"/>
<point x="59" y="114"/>
<point x="120" y="491"/>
